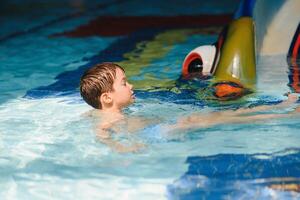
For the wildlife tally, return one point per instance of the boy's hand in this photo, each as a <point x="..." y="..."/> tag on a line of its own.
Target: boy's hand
<point x="292" y="97"/>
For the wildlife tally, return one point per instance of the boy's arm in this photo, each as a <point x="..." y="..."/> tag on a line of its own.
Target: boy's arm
<point x="204" y="120"/>
<point x="199" y="121"/>
<point x="292" y="98"/>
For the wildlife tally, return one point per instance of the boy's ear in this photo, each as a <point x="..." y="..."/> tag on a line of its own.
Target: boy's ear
<point x="105" y="98"/>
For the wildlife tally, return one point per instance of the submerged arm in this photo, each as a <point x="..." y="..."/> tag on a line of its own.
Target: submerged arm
<point x="201" y="120"/>
<point x="196" y="122"/>
<point x="292" y="98"/>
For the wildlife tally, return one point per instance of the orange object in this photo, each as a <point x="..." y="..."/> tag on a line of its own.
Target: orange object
<point x="229" y="90"/>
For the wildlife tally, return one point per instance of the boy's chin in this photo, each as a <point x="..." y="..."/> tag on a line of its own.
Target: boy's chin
<point x="130" y="102"/>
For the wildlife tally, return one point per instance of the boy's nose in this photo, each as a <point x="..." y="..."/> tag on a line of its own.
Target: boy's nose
<point x="131" y="86"/>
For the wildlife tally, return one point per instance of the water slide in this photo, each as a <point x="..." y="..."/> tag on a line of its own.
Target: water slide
<point x="259" y="28"/>
<point x="276" y="22"/>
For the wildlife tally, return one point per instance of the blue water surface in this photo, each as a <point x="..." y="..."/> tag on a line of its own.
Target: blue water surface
<point x="49" y="148"/>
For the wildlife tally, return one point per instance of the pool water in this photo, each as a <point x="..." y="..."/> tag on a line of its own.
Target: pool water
<point x="49" y="148"/>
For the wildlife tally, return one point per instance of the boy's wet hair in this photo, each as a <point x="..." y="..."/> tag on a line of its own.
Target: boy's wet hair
<point x="96" y="81"/>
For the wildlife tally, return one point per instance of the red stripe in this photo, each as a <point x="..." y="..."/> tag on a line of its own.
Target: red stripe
<point x="294" y="65"/>
<point x="296" y="74"/>
<point x="296" y="48"/>
<point x="123" y="25"/>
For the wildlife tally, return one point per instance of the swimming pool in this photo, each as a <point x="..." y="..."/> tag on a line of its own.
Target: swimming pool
<point x="48" y="149"/>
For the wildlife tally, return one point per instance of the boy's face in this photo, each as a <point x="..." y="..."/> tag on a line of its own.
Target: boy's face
<point x="122" y="94"/>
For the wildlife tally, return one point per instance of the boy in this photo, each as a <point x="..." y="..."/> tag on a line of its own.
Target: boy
<point x="105" y="88"/>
